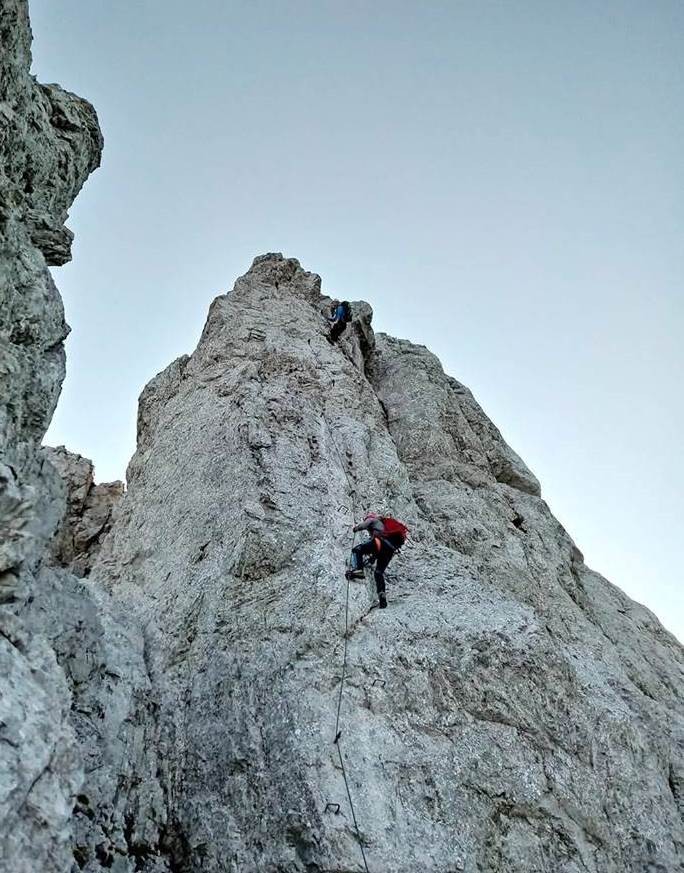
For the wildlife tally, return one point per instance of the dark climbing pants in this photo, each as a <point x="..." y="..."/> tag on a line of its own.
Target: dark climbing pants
<point x="384" y="556"/>
<point x="337" y="330"/>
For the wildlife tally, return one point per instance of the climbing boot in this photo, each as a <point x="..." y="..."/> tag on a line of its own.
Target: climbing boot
<point x="382" y="600"/>
<point x="355" y="568"/>
<point x="355" y="574"/>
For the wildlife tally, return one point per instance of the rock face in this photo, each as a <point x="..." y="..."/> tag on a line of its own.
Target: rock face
<point x="176" y="711"/>
<point x="89" y="513"/>
<point x="49" y="143"/>
<point x="510" y="711"/>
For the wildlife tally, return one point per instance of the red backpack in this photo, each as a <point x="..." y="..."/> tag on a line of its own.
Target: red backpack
<point x="394" y="527"/>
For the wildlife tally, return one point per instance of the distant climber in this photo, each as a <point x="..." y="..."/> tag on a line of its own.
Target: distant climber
<point x="387" y="536"/>
<point x="340" y="316"/>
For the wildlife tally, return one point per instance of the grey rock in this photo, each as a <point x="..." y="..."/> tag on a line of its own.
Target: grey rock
<point x="440" y="431"/>
<point x="176" y="710"/>
<point x="40" y="764"/>
<point x="528" y="715"/>
<point x="49" y="143"/>
<point x="117" y="810"/>
<point x="90" y="511"/>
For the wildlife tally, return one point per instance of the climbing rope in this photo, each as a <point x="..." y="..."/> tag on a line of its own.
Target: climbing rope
<point x="351" y="806"/>
<point x="338" y="732"/>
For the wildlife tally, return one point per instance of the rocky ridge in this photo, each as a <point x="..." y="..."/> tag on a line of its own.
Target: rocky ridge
<point x="511" y="710"/>
<point x="176" y="710"/>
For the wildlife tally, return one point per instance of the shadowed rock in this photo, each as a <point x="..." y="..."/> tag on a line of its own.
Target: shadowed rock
<point x="90" y="511"/>
<point x="49" y="143"/>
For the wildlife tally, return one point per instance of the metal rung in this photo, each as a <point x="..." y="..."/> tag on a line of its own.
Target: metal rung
<point x="335" y="807"/>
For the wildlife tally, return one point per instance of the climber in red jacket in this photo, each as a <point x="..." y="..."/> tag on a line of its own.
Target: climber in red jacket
<point x="387" y="536"/>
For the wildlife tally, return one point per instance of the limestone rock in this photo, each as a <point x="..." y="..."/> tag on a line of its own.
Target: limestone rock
<point x="49" y="143"/>
<point x="89" y="513"/>
<point x="40" y="763"/>
<point x="510" y="711"/>
<point x="116" y="807"/>
<point x="176" y="709"/>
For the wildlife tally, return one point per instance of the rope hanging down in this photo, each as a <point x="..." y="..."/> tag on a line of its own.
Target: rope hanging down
<point x="351" y="806"/>
<point x="338" y="732"/>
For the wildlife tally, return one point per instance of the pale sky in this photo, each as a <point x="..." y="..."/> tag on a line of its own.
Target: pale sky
<point x="502" y="181"/>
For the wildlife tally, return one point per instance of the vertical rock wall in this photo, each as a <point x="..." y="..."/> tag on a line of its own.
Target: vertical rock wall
<point x="510" y="710"/>
<point x="49" y="143"/>
<point x="175" y="711"/>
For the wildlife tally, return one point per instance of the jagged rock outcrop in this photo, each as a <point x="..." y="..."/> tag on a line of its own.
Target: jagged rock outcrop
<point x="175" y="711"/>
<point x="90" y="511"/>
<point x="529" y="716"/>
<point x="115" y="808"/>
<point x="49" y="143"/>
